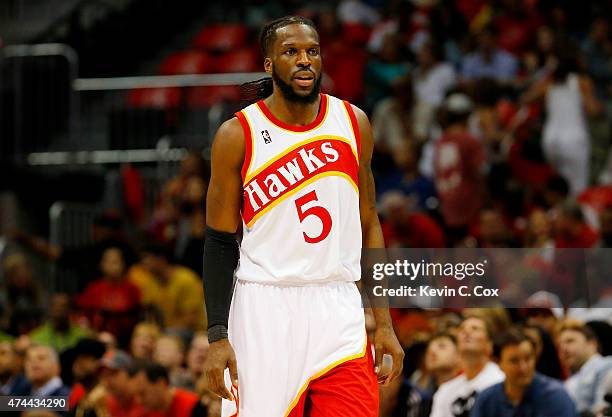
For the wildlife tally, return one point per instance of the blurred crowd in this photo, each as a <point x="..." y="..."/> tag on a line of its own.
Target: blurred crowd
<point x="492" y="124"/>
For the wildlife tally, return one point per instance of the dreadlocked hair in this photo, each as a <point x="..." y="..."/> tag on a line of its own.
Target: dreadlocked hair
<point x="253" y="91"/>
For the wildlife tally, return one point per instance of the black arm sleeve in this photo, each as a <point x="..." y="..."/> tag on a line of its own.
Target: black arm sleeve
<point x="220" y="261"/>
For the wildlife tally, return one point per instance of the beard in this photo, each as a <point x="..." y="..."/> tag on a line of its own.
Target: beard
<point x="290" y="95"/>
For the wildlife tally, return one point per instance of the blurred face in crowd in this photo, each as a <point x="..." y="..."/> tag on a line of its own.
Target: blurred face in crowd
<point x="118" y="382"/>
<point x="539" y="224"/>
<point x="41" y="364"/>
<point x="492" y="227"/>
<point x="518" y="363"/>
<point x="152" y="395"/>
<point x="486" y="41"/>
<point x="59" y="310"/>
<point x="168" y="352"/>
<point x="155" y="264"/>
<point x="112" y="264"/>
<point x="192" y="165"/>
<point x="18" y="271"/>
<point x="575" y="349"/>
<point x="405" y="157"/>
<point x="441" y="355"/>
<point x="7" y="360"/>
<point x="425" y="56"/>
<point x="545" y="39"/>
<point x="85" y="366"/>
<point x="295" y="63"/>
<point x="143" y="341"/>
<point x="473" y="337"/>
<point x="197" y="353"/>
<point x="533" y="334"/>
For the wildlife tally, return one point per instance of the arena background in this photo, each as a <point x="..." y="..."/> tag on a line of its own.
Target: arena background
<point x="108" y="109"/>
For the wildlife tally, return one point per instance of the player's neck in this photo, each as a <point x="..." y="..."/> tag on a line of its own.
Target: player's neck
<point x="292" y="113"/>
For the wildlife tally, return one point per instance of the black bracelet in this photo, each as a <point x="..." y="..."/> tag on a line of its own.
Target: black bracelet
<point x="216" y="333"/>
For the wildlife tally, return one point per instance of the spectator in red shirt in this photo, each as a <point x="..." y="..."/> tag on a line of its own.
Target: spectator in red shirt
<point x="458" y="168"/>
<point x="571" y="229"/>
<point x="112" y="301"/>
<point x="117" y="371"/>
<point x="155" y="394"/>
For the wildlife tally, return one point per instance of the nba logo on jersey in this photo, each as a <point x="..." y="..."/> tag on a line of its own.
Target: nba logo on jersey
<point x="266" y="136"/>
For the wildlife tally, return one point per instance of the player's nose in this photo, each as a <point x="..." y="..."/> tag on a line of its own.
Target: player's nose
<point x="303" y="60"/>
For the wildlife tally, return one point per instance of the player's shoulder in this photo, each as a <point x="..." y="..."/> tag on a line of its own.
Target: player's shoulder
<point x="230" y="135"/>
<point x="359" y="113"/>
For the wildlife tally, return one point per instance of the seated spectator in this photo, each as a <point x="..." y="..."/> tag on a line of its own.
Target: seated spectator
<point x="547" y="357"/>
<point x="442" y="358"/>
<point x="170" y="353"/>
<point x="163" y="223"/>
<point x="539" y="230"/>
<point x="59" y="331"/>
<point x="116" y="377"/>
<point x="174" y="290"/>
<point x="407" y="179"/>
<point x="144" y="338"/>
<point x="112" y="302"/>
<point x="524" y="391"/>
<point x="442" y="363"/>
<point x="198" y="350"/>
<point x="392" y="122"/>
<point x="455" y="398"/>
<point x="25" y="299"/>
<point x="11" y="378"/>
<point x="42" y="369"/>
<point x="571" y="229"/>
<point x="84" y="362"/>
<point x="489" y="61"/>
<point x="459" y="162"/>
<point x="191" y="224"/>
<point x="388" y="66"/>
<point x="493" y="231"/>
<point x="578" y="349"/>
<point x="157" y="396"/>
<point x="404" y="227"/>
<point x="432" y="79"/>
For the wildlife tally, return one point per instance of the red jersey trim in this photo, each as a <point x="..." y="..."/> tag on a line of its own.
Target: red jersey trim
<point x="248" y="143"/>
<point x="354" y="126"/>
<point x="293" y="128"/>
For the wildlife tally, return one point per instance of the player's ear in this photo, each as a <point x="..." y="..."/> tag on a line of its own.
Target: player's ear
<point x="268" y="65"/>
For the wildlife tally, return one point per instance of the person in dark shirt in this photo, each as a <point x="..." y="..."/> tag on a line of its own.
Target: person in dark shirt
<point x="524" y="392"/>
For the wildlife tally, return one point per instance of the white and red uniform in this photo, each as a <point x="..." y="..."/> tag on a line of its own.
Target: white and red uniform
<point x="296" y="321"/>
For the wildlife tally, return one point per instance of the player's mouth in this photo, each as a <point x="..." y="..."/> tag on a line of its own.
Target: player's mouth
<point x="304" y="79"/>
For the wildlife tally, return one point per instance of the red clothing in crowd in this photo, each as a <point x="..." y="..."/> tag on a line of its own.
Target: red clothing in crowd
<point x="184" y="404"/>
<point x="458" y="161"/>
<point x="116" y="409"/>
<point x="418" y="231"/>
<point x="110" y="305"/>
<point x="587" y="238"/>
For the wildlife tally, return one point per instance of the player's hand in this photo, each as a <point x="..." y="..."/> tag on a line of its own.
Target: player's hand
<point x="220" y="356"/>
<point x="385" y="342"/>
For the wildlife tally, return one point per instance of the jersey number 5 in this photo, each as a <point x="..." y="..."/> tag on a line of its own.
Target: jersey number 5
<point x="314" y="210"/>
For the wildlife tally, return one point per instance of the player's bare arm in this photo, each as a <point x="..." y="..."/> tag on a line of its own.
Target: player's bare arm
<point x="385" y="341"/>
<point x="222" y="218"/>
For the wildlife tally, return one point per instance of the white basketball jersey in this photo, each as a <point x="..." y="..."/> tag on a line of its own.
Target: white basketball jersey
<point x="300" y="207"/>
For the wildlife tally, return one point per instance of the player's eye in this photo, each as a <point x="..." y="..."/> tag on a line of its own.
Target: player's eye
<point x="290" y="51"/>
<point x="313" y="51"/>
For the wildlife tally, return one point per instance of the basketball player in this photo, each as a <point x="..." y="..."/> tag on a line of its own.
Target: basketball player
<point x="294" y="167"/>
